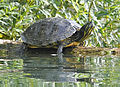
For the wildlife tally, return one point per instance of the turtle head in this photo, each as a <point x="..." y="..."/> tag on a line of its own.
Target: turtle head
<point x="86" y="30"/>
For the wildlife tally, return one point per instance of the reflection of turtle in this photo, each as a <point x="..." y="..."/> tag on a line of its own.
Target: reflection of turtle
<point x="56" y="32"/>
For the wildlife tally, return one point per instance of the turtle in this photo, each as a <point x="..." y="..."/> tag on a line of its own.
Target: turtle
<point x="56" y="32"/>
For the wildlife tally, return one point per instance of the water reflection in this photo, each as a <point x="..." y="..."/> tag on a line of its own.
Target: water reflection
<point x="40" y="69"/>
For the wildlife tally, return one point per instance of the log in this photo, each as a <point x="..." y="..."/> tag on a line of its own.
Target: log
<point x="12" y="47"/>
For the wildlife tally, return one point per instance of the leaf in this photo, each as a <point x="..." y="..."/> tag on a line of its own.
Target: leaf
<point x="3" y="22"/>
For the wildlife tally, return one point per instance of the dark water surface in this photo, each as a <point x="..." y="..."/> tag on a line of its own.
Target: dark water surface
<point x="41" y="69"/>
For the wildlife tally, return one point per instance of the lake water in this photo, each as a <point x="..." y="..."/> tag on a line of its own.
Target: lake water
<point x="44" y="70"/>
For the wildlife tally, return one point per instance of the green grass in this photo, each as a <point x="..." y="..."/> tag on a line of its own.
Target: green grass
<point x="17" y="15"/>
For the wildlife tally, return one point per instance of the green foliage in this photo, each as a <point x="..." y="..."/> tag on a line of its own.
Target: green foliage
<point x="17" y="15"/>
<point x="106" y="18"/>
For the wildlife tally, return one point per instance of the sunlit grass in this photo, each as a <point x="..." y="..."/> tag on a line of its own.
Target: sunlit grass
<point x="17" y="15"/>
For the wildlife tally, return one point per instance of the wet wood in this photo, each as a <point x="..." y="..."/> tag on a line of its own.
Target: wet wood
<point x="95" y="51"/>
<point x="9" y="41"/>
<point x="12" y="46"/>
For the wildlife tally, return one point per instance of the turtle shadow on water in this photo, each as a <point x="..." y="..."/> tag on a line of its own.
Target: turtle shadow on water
<point x="53" y="69"/>
<point x="46" y="53"/>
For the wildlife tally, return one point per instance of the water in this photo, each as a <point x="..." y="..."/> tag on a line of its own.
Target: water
<point x="41" y="69"/>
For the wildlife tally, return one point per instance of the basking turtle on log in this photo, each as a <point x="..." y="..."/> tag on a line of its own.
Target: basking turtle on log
<point x="56" y="33"/>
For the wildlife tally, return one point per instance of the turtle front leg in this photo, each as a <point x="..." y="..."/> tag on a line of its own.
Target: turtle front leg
<point x="60" y="54"/>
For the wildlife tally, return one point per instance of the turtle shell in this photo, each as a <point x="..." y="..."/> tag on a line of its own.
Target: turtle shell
<point x="49" y="31"/>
